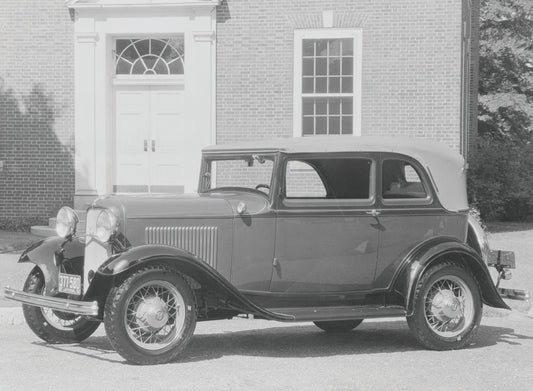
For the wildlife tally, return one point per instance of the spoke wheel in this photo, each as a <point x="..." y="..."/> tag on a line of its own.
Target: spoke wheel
<point x="155" y="315"/>
<point x="447" y="307"/>
<point x="50" y="325"/>
<point x="150" y="316"/>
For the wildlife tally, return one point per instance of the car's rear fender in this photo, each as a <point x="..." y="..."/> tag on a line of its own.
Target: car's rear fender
<point x="120" y="265"/>
<point x="440" y="249"/>
<point x="49" y="254"/>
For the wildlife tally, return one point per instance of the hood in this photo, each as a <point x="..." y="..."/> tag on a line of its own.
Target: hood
<point x="132" y="206"/>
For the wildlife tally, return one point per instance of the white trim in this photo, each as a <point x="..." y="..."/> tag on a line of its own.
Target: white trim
<point x="190" y="4"/>
<point x="203" y="36"/>
<point x="143" y="80"/>
<point x="299" y="35"/>
<point x="213" y="78"/>
<point x="327" y="19"/>
<point x="86" y="37"/>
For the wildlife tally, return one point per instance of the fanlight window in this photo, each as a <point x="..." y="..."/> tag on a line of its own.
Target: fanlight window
<point x="149" y="56"/>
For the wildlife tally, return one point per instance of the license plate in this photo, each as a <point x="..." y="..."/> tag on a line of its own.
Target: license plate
<point x="69" y="283"/>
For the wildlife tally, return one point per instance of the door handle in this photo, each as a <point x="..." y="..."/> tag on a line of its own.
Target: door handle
<point x="373" y="213"/>
<point x="145" y="145"/>
<point x="153" y="145"/>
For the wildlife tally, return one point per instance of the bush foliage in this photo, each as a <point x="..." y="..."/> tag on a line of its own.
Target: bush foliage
<point x="500" y="177"/>
<point x="500" y="180"/>
<point x="21" y="224"/>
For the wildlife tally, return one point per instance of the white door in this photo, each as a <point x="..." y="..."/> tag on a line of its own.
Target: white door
<point x="151" y="139"/>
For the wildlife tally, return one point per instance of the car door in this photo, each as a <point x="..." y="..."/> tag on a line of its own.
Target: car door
<point x="409" y="213"/>
<point x="326" y="235"/>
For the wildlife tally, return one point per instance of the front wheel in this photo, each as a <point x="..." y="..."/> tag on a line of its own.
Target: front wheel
<point x="151" y="316"/>
<point x="447" y="308"/>
<point x="50" y="325"/>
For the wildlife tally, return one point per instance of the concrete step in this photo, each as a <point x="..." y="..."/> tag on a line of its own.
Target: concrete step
<point x="50" y="229"/>
<point x="43" y="231"/>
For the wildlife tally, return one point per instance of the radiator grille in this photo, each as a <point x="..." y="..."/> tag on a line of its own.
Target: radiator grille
<point x="201" y="241"/>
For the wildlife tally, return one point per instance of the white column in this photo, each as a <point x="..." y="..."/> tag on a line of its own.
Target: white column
<point x="84" y="64"/>
<point x="199" y="79"/>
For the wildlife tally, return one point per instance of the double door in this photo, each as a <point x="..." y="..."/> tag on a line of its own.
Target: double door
<point x="151" y="141"/>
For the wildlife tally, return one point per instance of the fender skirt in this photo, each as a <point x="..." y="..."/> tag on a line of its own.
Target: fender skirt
<point x="439" y="249"/>
<point x="190" y="266"/>
<point x="49" y="254"/>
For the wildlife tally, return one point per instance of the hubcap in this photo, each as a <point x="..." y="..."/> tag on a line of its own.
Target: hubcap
<point x="152" y="314"/>
<point x="449" y="306"/>
<point x="446" y="306"/>
<point x="155" y="315"/>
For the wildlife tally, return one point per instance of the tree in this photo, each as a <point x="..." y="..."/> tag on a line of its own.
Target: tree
<point x="506" y="70"/>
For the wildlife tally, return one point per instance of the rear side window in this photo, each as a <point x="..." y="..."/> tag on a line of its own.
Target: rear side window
<point x="328" y="178"/>
<point x="400" y="180"/>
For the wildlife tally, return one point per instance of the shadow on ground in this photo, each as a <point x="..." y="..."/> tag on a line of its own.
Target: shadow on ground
<point x="297" y="342"/>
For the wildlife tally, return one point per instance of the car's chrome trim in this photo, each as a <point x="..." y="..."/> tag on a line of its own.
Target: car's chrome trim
<point x="89" y="308"/>
<point x="201" y="241"/>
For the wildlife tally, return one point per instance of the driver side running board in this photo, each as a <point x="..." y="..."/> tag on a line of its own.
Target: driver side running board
<point x="340" y="313"/>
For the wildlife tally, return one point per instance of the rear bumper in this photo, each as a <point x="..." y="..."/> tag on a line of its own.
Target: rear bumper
<point x="502" y="261"/>
<point x="88" y="308"/>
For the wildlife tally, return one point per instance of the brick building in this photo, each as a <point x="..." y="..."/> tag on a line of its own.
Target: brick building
<point x="98" y="96"/>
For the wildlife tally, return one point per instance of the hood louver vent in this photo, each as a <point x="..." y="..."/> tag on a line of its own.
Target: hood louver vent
<point x="201" y="241"/>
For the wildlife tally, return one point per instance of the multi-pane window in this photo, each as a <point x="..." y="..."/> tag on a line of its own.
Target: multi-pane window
<point x="327" y="86"/>
<point x="149" y="56"/>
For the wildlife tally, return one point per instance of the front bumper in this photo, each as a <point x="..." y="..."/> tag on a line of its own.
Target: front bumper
<point x="88" y="308"/>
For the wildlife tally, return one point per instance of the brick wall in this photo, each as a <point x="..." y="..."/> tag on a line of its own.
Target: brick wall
<point x="411" y="81"/>
<point x="36" y="109"/>
<point x="411" y="65"/>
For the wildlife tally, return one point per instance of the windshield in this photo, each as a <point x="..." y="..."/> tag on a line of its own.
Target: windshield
<point x="250" y="171"/>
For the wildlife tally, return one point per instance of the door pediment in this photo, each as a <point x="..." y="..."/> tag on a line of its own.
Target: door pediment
<point x="78" y="4"/>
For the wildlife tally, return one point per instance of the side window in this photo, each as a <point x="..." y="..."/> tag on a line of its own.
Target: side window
<point x="329" y="179"/>
<point x="302" y="181"/>
<point x="400" y="180"/>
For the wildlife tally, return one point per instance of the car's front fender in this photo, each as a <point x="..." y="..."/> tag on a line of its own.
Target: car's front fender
<point x="440" y="249"/>
<point x="187" y="264"/>
<point x="49" y="254"/>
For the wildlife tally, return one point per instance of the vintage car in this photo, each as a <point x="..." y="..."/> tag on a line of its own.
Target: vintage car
<point x="328" y="229"/>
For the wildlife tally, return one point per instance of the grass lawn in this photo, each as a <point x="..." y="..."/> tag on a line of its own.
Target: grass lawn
<point x="16" y="241"/>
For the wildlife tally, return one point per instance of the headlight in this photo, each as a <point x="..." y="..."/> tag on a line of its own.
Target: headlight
<point x="106" y="225"/>
<point x="66" y="222"/>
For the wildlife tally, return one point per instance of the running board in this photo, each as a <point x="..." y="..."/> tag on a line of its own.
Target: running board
<point x="514" y="294"/>
<point x="340" y="313"/>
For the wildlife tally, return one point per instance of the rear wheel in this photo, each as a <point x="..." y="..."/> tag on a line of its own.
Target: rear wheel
<point x="50" y="325"/>
<point x="338" y="326"/>
<point x="151" y="316"/>
<point x="447" y="308"/>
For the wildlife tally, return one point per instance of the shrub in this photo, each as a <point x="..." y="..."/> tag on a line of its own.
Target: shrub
<point x="21" y="224"/>
<point x="500" y="180"/>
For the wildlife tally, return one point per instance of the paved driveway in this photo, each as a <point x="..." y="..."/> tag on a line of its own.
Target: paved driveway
<point x="243" y="354"/>
<point x="247" y="355"/>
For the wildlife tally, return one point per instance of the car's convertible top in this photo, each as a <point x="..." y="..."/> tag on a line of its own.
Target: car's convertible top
<point x="445" y="166"/>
